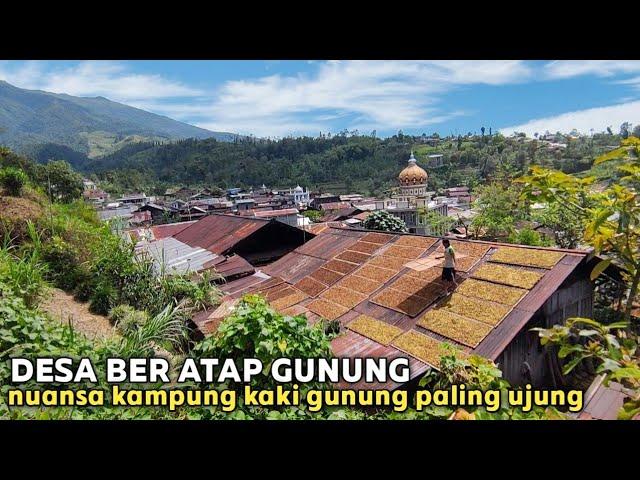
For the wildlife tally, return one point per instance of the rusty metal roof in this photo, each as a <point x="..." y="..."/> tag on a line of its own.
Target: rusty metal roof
<point x="220" y="232"/>
<point x="336" y="248"/>
<point x="604" y="402"/>
<point x="283" y="212"/>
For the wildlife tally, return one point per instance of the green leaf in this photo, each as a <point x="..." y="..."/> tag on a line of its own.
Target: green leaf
<point x="599" y="268"/>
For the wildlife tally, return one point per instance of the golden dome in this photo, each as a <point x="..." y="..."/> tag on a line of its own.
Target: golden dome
<point x="413" y="174"/>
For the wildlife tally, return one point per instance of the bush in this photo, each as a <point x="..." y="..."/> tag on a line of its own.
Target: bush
<point x="62" y="260"/>
<point x="103" y="298"/>
<point x="127" y="319"/>
<point x="527" y="236"/>
<point x="383" y="220"/>
<point x="256" y="330"/>
<point x="13" y="180"/>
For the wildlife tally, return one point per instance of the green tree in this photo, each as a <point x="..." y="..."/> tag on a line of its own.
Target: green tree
<point x="498" y="207"/>
<point x="613" y="347"/>
<point x="611" y="217"/>
<point x="438" y="224"/>
<point x="313" y="215"/>
<point x="60" y="181"/>
<point x="385" y="221"/>
<point x="567" y="227"/>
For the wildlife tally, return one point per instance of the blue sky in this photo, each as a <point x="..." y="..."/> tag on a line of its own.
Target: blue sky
<point x="280" y="98"/>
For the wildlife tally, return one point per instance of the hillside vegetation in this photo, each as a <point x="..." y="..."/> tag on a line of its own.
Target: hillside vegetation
<point x="89" y="126"/>
<point x="339" y="164"/>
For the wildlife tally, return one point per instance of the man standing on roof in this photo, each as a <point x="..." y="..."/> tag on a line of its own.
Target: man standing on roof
<point x="449" y="267"/>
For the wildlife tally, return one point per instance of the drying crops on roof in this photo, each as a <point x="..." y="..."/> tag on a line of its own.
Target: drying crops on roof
<point x="392" y="263"/>
<point x="327" y="309"/>
<point x="527" y="257"/>
<point x="310" y="286"/>
<point x="410" y="284"/>
<point x="327" y="277"/>
<point x="279" y="291"/>
<point x="379" y="274"/>
<point x="516" y="277"/>
<point x="407" y="303"/>
<point x="360" y="284"/>
<point x="490" y="291"/>
<point x="410" y="253"/>
<point x="457" y="328"/>
<point x="480" y="310"/>
<point x="466" y="263"/>
<point x="420" y="346"/>
<point x="376" y="330"/>
<point x="471" y="249"/>
<point x="340" y="266"/>
<point x="411" y="241"/>
<point x="343" y="296"/>
<point x="428" y="275"/>
<point x="364" y="247"/>
<point x="288" y="300"/>
<point x="379" y="238"/>
<point x="353" y="257"/>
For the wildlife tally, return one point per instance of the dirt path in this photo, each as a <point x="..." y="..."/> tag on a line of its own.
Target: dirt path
<point x="62" y="307"/>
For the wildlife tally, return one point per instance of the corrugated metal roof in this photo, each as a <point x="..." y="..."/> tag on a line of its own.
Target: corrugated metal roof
<point x="176" y="257"/>
<point x="275" y="213"/>
<point x="334" y="242"/>
<point x="219" y="232"/>
<point x="157" y="232"/>
<point x="603" y="402"/>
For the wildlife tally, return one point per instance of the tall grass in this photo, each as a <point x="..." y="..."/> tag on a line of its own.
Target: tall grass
<point x="22" y="268"/>
<point x="167" y="327"/>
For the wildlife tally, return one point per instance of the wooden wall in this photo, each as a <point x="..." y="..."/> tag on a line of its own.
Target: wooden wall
<point x="525" y="360"/>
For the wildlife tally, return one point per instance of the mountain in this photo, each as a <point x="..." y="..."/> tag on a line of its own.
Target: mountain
<point x="90" y="126"/>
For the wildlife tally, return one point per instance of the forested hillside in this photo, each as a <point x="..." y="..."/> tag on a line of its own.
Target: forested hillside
<point x="339" y="164"/>
<point x="90" y="126"/>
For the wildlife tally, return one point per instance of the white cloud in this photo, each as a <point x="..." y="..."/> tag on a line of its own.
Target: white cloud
<point x="383" y="95"/>
<point x="601" y="68"/>
<point x="379" y="94"/>
<point x="597" y="119"/>
<point x="96" y="78"/>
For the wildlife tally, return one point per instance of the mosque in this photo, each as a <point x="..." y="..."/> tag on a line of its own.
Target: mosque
<point x="413" y="199"/>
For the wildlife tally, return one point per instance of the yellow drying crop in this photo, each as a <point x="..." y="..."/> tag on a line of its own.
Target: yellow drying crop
<point x="376" y="330"/>
<point x="289" y="300"/>
<point x="480" y="310"/>
<point x="415" y="241"/>
<point x="379" y="274"/>
<point x="392" y="263"/>
<point x="457" y="328"/>
<point x="528" y="257"/>
<point x="410" y="253"/>
<point x="432" y="274"/>
<point x="310" y="286"/>
<point x="353" y="257"/>
<point x="326" y="277"/>
<point x="327" y="309"/>
<point x="490" y="291"/>
<point x="364" y="247"/>
<point x="516" y="277"/>
<point x="360" y="284"/>
<point x="343" y="296"/>
<point x="379" y="238"/>
<point x="424" y="348"/>
<point x="340" y="266"/>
